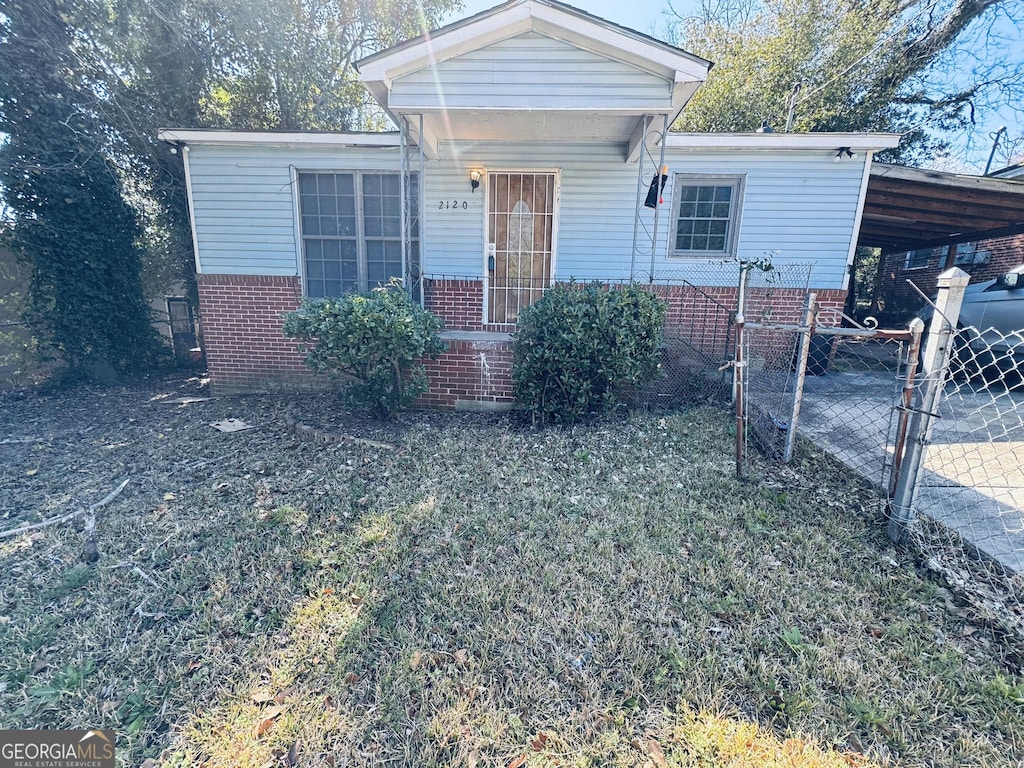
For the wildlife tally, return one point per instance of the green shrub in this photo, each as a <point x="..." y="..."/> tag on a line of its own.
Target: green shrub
<point x="373" y="339"/>
<point x="577" y="349"/>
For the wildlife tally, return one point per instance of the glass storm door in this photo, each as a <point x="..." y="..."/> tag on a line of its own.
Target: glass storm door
<point x="520" y="239"/>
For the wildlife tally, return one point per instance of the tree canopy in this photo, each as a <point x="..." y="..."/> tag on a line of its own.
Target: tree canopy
<point x="85" y="85"/>
<point x="883" y="65"/>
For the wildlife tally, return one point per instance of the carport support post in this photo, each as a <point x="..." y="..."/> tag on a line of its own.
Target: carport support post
<point x="934" y="363"/>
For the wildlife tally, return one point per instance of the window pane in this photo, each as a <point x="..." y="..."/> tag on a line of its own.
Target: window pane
<point x="314" y="249"/>
<point x="328" y="205"/>
<point x="391" y="184"/>
<point x="392" y="226"/>
<point x="347" y="226"/>
<point x="703" y="216"/>
<point x="325" y="184"/>
<point x="375" y="273"/>
<point x="314" y="269"/>
<point x="371" y="206"/>
<point x="309" y="204"/>
<point x="328" y="226"/>
<point x="310" y="225"/>
<point x="371" y="184"/>
<point x="307" y="184"/>
<point x="373" y="226"/>
<point x="332" y="270"/>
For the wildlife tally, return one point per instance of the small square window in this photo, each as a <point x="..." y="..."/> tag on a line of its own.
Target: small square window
<point x="706" y="215"/>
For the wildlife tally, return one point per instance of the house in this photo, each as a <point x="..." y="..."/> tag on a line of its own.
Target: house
<point x="529" y="138"/>
<point x="927" y="221"/>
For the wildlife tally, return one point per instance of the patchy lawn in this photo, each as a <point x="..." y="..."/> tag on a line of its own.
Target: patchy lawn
<point x="464" y="591"/>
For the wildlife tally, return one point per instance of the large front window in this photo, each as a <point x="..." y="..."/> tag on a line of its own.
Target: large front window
<point x="352" y="230"/>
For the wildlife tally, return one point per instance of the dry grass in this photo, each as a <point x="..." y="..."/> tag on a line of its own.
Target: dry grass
<point x="483" y="595"/>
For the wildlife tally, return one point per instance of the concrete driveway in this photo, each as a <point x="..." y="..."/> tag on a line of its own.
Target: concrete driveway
<point x="973" y="479"/>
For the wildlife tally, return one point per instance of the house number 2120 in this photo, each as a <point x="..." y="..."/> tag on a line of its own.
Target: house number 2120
<point x="445" y="205"/>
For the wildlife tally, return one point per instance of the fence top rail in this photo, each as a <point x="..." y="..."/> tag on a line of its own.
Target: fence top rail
<point x="864" y="333"/>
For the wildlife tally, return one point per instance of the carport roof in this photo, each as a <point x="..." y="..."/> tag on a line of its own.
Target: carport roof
<point x="908" y="208"/>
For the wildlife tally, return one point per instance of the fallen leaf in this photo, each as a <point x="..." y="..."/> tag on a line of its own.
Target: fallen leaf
<point x="352" y="678"/>
<point x="656" y="753"/>
<point x="293" y="754"/>
<point x="32" y="472"/>
<point x="261" y="695"/>
<point x="461" y="657"/>
<point x="169" y="497"/>
<point x="518" y="762"/>
<point x="414" y="661"/>
<point x="538" y="743"/>
<point x="269" y="716"/>
<point x="149" y="762"/>
<point x="473" y="759"/>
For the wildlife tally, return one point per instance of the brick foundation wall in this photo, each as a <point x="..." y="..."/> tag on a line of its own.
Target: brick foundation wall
<point x="241" y="318"/>
<point x="246" y="351"/>
<point x="475" y="371"/>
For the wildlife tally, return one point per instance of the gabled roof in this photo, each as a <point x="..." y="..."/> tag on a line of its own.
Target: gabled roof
<point x="545" y="16"/>
<point x="446" y="78"/>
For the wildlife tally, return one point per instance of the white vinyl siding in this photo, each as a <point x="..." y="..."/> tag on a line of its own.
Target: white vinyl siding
<point x="532" y="71"/>
<point x="245" y="207"/>
<point x="798" y="207"/>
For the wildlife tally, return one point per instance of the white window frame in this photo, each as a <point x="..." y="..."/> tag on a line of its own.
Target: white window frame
<point x="738" y="183"/>
<point x="360" y="236"/>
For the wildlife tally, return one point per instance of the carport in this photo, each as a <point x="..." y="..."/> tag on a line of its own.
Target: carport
<point x="910" y="208"/>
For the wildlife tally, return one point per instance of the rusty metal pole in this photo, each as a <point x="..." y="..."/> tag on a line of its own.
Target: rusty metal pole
<point x="739" y="371"/>
<point x="913" y="357"/>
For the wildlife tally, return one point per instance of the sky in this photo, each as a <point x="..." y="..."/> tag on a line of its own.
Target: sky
<point x="642" y="15"/>
<point x="649" y="16"/>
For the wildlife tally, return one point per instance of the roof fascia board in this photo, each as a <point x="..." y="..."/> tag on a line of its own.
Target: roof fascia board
<point x="782" y="141"/>
<point x="484" y="29"/>
<point x="944" y="179"/>
<point x="389" y="139"/>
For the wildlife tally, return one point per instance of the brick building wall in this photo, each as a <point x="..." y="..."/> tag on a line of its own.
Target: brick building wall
<point x="247" y="352"/>
<point x="895" y="296"/>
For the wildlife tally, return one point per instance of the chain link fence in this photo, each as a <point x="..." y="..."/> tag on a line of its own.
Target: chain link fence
<point x="969" y="500"/>
<point x="940" y="433"/>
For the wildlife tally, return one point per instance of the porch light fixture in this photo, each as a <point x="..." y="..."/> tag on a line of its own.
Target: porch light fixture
<point x="843" y="151"/>
<point x="474" y="179"/>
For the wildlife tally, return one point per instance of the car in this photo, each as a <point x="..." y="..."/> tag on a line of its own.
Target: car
<point x="990" y="337"/>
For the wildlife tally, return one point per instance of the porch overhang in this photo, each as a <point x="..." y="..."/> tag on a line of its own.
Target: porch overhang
<point x="910" y="208"/>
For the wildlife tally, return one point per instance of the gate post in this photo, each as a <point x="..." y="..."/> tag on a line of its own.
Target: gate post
<point x="810" y="310"/>
<point x="935" y="362"/>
